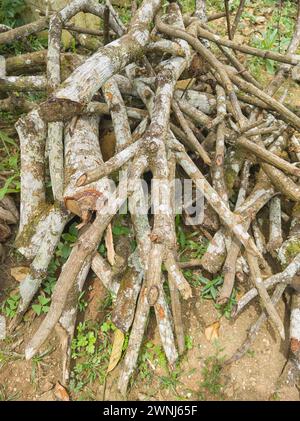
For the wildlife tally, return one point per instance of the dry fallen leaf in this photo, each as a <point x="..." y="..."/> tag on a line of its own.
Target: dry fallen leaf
<point x="212" y="331"/>
<point x="239" y="295"/>
<point x="116" y="349"/>
<point x="61" y="393"/>
<point x="109" y="242"/>
<point x="183" y="84"/>
<point x="19" y="272"/>
<point x="108" y="144"/>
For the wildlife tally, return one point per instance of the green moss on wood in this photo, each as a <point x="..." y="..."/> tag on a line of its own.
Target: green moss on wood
<point x="292" y="250"/>
<point x="24" y="238"/>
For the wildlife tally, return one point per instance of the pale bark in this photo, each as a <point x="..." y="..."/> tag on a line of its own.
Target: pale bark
<point x="78" y="89"/>
<point x="30" y="285"/>
<point x="82" y="153"/>
<point x="23" y="31"/>
<point x="81" y="252"/>
<point x="289" y="59"/>
<point x="68" y="320"/>
<point x="32" y="143"/>
<point x="275" y="230"/>
<point x="286" y="277"/>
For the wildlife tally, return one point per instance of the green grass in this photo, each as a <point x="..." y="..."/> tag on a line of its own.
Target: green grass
<point x="91" y="349"/>
<point x="152" y="356"/>
<point x="11" y="12"/>
<point x="27" y="45"/>
<point x="37" y="363"/>
<point x="210" y="289"/>
<point x="210" y="292"/>
<point x="7" y="396"/>
<point x="9" y="163"/>
<point x="10" y="305"/>
<point x="211" y="385"/>
<point x="191" y="245"/>
<point x="62" y="252"/>
<point x="152" y="362"/>
<point x="188" y="340"/>
<point x="275" y="37"/>
<point x="188" y="6"/>
<point x="42" y="303"/>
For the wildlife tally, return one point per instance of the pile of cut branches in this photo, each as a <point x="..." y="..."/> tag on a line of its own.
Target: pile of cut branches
<point x="178" y="111"/>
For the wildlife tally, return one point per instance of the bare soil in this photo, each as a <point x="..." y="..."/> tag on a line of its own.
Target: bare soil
<point x="255" y="377"/>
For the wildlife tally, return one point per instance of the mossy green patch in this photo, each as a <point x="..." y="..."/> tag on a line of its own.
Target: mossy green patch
<point x="292" y="249"/>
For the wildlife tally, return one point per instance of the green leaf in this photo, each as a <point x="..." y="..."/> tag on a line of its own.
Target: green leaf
<point x="105" y="327"/>
<point x="213" y="292"/>
<point x="203" y="280"/>
<point x="188" y="342"/>
<point x="102" y="249"/>
<point x="37" y="308"/>
<point x="73" y="230"/>
<point x="270" y="66"/>
<point x="90" y="348"/>
<point x="182" y="239"/>
<point x="6" y="188"/>
<point x="43" y="300"/>
<point x="120" y="230"/>
<point x="69" y="237"/>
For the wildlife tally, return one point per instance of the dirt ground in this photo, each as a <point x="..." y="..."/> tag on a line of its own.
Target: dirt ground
<point x="255" y="377"/>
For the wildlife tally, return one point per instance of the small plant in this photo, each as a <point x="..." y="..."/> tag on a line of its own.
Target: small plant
<point x="210" y="289"/>
<point x="82" y="303"/>
<point x="181" y="237"/>
<point x="246" y="15"/>
<point x="188" y="342"/>
<point x="10" y="305"/>
<point x="188" y="6"/>
<point x="212" y="5"/>
<point x="84" y="342"/>
<point x="189" y="248"/>
<point x="102" y="249"/>
<point x="251" y="353"/>
<point x="64" y="247"/>
<point x="91" y="348"/>
<point x="275" y="397"/>
<point x="225" y="310"/>
<point x="5" y="396"/>
<point x="210" y="292"/>
<point x="211" y="385"/>
<point x="25" y="45"/>
<point x="9" y="162"/>
<point x="192" y="278"/>
<point x="125" y="15"/>
<point x="151" y="357"/>
<point x="36" y="363"/>
<point x="197" y="249"/>
<point x="276" y="37"/>
<point x="11" y="12"/>
<point x="268" y="41"/>
<point x="120" y="230"/>
<point x="42" y="306"/>
<point x="107" y="302"/>
<point x="62" y="252"/>
<point x="171" y="381"/>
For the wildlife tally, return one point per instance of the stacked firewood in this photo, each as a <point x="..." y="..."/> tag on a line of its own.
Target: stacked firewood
<point x="178" y="110"/>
